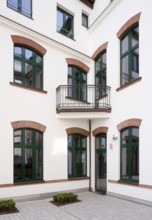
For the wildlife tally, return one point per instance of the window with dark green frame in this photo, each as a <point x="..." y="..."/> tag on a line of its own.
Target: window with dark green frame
<point x="28" y="155"/>
<point x="77" y="156"/>
<point x="65" y="23"/>
<point x="84" y="20"/>
<point x="101" y="75"/>
<point x="28" y="67"/>
<point x="130" y="56"/>
<point x="77" y="83"/>
<point x="22" y="6"/>
<point x="130" y="154"/>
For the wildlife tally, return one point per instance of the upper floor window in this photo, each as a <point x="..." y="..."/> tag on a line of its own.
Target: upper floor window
<point x="130" y="56"/>
<point x="22" y="6"/>
<point x="28" y="155"/>
<point x="130" y="154"/>
<point x="65" y="23"/>
<point x="77" y="80"/>
<point x="84" y="20"/>
<point x="77" y="155"/>
<point x="28" y="67"/>
<point x="101" y="75"/>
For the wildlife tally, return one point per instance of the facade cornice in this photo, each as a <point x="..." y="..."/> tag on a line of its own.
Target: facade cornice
<point x="103" y="15"/>
<point x="27" y="32"/>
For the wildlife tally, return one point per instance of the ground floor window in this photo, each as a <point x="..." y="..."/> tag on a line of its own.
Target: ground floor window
<point x="28" y="155"/>
<point x="130" y="154"/>
<point x="77" y="155"/>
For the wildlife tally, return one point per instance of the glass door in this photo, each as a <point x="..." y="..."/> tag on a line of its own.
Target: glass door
<point x="100" y="164"/>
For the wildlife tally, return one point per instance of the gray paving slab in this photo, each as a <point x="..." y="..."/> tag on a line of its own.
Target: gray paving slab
<point x="92" y="206"/>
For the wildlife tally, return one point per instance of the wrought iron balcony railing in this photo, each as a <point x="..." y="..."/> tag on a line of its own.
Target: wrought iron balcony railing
<point x="81" y="98"/>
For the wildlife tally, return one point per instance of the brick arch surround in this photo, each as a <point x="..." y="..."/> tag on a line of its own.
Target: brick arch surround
<point x="129" y="123"/>
<point x="77" y="63"/>
<point x="28" y="124"/>
<point x="99" y="130"/>
<point x="28" y="42"/>
<point x="99" y="50"/>
<point x="135" y="19"/>
<point x="76" y="130"/>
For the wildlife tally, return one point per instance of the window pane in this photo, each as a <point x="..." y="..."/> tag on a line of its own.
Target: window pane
<point x="18" y="51"/>
<point x="18" y="71"/>
<point x="39" y="59"/>
<point x="17" y="164"/>
<point x="59" y="20"/>
<point x="124" y="70"/>
<point x="28" y="163"/>
<point x="28" y="137"/>
<point x="125" y="136"/>
<point x="26" y="7"/>
<point x="69" y="163"/>
<point x="135" y="64"/>
<point x="13" y="4"/>
<point x="135" y="135"/>
<point x="39" y="75"/>
<point x="83" y="159"/>
<point x="135" y="163"/>
<point x="39" y="163"/>
<point x="17" y="137"/>
<point x="84" y="20"/>
<point x="28" y="74"/>
<point x="28" y="54"/>
<point x="124" y="45"/>
<point x="38" y="137"/>
<point x="124" y="161"/>
<point x="135" y="36"/>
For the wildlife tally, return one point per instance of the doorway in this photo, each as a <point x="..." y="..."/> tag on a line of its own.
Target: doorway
<point x="101" y="163"/>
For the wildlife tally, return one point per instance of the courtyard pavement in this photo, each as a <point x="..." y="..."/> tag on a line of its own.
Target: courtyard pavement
<point x="92" y="207"/>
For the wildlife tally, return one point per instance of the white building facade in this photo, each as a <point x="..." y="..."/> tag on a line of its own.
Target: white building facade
<point x="74" y="108"/>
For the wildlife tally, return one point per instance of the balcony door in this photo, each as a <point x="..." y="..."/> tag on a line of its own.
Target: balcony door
<point x="77" y="83"/>
<point x="100" y="76"/>
<point x="100" y="164"/>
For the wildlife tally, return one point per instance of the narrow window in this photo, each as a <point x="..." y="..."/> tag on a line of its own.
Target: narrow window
<point x="130" y="154"/>
<point x="22" y="6"/>
<point x="28" y="67"/>
<point x="101" y="75"/>
<point x="130" y="56"/>
<point x="84" y="20"/>
<point x="77" y="155"/>
<point x="77" y="83"/>
<point x="65" y="23"/>
<point x="28" y="155"/>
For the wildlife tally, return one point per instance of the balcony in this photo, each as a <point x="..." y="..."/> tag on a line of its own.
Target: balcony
<point x="83" y="98"/>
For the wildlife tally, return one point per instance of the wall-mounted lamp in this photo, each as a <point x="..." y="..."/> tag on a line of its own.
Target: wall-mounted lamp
<point x="114" y="137"/>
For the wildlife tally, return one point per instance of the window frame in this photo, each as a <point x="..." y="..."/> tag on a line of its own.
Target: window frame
<point x="86" y="19"/>
<point x="101" y="86"/>
<point x="129" y="146"/>
<point x="19" y="7"/>
<point x="77" y="91"/>
<point x="24" y="146"/>
<point x="62" y="30"/>
<point x="129" y="54"/>
<point x="77" y="173"/>
<point x="23" y="60"/>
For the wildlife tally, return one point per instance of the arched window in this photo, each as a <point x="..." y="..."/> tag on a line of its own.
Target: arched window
<point x="77" y="81"/>
<point x="130" y="154"/>
<point x="129" y="50"/>
<point x="101" y="75"/>
<point x="28" y="155"/>
<point x="77" y="155"/>
<point x="28" y="67"/>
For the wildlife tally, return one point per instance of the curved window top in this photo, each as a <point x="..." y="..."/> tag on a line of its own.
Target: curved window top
<point x="28" y="67"/>
<point x="129" y="24"/>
